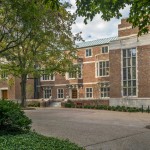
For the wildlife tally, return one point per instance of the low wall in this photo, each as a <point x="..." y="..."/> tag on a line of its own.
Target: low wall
<point x="130" y="102"/>
<point x="82" y="103"/>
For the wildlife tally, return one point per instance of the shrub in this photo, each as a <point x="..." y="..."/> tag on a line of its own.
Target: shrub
<point x="69" y="105"/>
<point x="34" y="104"/>
<point x="12" y="117"/>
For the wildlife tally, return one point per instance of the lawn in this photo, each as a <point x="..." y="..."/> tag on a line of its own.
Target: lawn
<point x="33" y="141"/>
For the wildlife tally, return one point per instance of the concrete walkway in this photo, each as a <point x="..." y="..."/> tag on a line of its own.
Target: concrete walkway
<point x="94" y="129"/>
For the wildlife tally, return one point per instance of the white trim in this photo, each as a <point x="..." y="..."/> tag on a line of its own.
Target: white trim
<point x="85" y="92"/>
<point x="41" y="79"/>
<point x="63" y="93"/>
<point x="98" y="69"/>
<point x="122" y="73"/>
<point x="44" y="92"/>
<point x="4" y="88"/>
<point x="129" y="42"/>
<point x="127" y="36"/>
<point x="88" y="62"/>
<point x="102" y="48"/>
<point x="124" y="28"/>
<point x="91" y="52"/>
<point x="67" y="84"/>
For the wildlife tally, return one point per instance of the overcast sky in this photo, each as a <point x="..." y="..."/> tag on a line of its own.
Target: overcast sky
<point x="97" y="28"/>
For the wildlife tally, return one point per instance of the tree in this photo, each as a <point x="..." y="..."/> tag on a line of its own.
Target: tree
<point x="43" y="43"/>
<point x="139" y="15"/>
<point x="13" y="13"/>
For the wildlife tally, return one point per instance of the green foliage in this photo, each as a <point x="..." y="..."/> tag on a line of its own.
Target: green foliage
<point x="39" y="32"/>
<point x="34" y="104"/>
<point x="112" y="108"/>
<point x="12" y="117"/>
<point x="69" y="104"/>
<point x="139" y="15"/>
<point x="34" y="141"/>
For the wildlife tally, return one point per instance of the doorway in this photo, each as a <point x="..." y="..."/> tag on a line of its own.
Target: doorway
<point x="74" y="93"/>
<point x="4" y="94"/>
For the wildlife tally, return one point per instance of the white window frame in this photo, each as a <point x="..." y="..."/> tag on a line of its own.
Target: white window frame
<point x="87" y="49"/>
<point x="60" y="93"/>
<point x="98" y="70"/>
<point x="103" y="92"/>
<point x="76" y="74"/>
<point x="127" y="80"/>
<point x="104" y="50"/>
<point x="50" y="77"/>
<point x="88" y="92"/>
<point x="45" y="92"/>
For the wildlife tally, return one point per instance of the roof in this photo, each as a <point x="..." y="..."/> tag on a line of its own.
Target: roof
<point x="96" y="42"/>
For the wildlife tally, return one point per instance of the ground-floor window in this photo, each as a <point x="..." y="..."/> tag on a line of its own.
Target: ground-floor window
<point x="47" y="92"/>
<point x="60" y="93"/>
<point x="105" y="92"/>
<point x="104" y="89"/>
<point x="89" y="92"/>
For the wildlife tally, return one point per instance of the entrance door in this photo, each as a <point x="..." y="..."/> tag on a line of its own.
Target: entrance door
<point x="74" y="93"/>
<point x="4" y="94"/>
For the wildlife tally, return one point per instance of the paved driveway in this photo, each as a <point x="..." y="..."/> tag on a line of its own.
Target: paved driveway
<point x="94" y="129"/>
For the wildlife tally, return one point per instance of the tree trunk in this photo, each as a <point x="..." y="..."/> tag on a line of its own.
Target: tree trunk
<point x="23" y="90"/>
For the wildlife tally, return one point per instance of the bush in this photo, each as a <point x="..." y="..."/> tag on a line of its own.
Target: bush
<point x="34" y="104"/>
<point x="12" y="117"/>
<point x="69" y="105"/>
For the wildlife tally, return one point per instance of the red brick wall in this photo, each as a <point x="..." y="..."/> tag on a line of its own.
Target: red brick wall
<point x="115" y="73"/>
<point x="127" y="31"/>
<point x="144" y="71"/>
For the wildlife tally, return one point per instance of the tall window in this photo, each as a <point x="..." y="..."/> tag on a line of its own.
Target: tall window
<point x="89" y="92"/>
<point x="88" y="52"/>
<point x="104" y="89"/>
<point x="60" y="93"/>
<point x="105" y="49"/>
<point x="102" y="68"/>
<point x="129" y="72"/>
<point x="47" y="92"/>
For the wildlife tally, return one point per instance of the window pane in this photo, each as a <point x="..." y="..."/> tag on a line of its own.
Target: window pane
<point x="128" y="52"/>
<point x="129" y="83"/>
<point x="124" y="62"/>
<point x="129" y="91"/>
<point x="133" y="52"/>
<point x="133" y="61"/>
<point x="134" y="91"/>
<point x="124" y="92"/>
<point x="134" y="82"/>
<point x="124" y="74"/>
<point x="129" y="61"/>
<point x="124" y="83"/>
<point x="124" y="53"/>
<point x="134" y="73"/>
<point x="129" y="73"/>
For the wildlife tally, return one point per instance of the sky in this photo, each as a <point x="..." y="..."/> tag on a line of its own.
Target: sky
<point x="97" y="28"/>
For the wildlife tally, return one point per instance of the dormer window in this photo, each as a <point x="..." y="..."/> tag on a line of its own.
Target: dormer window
<point x="105" y="49"/>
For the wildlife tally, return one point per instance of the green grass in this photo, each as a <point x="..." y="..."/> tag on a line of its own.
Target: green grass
<point x="34" y="141"/>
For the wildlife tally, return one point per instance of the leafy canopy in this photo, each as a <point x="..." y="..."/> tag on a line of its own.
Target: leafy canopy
<point x="139" y="15"/>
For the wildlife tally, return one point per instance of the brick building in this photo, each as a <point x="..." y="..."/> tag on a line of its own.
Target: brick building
<point x="113" y="69"/>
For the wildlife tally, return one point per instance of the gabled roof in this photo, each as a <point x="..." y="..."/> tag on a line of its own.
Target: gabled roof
<point x="96" y="42"/>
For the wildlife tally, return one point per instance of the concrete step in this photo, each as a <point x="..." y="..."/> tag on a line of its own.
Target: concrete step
<point x="55" y="104"/>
